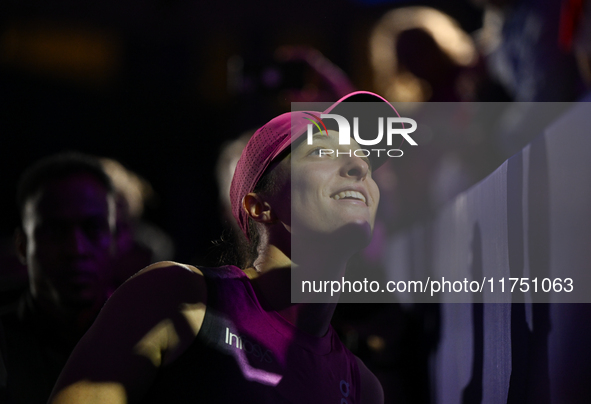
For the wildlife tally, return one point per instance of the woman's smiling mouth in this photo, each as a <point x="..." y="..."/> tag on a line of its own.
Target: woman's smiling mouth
<point x="350" y="194"/>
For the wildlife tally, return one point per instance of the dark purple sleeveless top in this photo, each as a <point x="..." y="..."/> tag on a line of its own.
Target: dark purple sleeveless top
<point x="244" y="354"/>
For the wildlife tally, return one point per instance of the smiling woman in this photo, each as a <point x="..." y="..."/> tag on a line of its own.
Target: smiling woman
<point x="175" y="333"/>
<point x="330" y="191"/>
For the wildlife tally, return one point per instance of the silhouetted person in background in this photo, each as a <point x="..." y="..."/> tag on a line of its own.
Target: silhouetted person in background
<point x="65" y="237"/>
<point x="421" y="54"/>
<point x="138" y="243"/>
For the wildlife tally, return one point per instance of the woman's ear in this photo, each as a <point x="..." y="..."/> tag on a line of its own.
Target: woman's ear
<point x="257" y="209"/>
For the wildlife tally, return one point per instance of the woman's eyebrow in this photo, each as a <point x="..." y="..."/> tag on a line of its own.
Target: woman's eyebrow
<point x="320" y="136"/>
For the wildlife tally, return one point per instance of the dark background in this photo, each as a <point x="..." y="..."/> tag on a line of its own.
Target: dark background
<point x="146" y="83"/>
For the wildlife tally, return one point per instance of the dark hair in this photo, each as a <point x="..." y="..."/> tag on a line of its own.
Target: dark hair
<point x="58" y="166"/>
<point x="238" y="249"/>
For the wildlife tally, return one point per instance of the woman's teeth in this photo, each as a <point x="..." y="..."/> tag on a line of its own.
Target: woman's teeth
<point x="350" y="195"/>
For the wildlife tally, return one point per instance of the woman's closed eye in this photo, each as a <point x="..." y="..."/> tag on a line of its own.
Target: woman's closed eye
<point x="315" y="151"/>
<point x="319" y="152"/>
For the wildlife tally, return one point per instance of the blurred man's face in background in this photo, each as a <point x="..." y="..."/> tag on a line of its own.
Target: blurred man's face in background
<point x="68" y="234"/>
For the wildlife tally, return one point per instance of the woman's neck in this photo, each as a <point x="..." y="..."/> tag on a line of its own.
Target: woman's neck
<point x="271" y="277"/>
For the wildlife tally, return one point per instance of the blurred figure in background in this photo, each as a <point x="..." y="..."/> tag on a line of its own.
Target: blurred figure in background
<point x="421" y="54"/>
<point x="525" y="48"/>
<point x="520" y="43"/>
<point x="138" y="243"/>
<point x="575" y="36"/>
<point x="65" y="239"/>
<point x="323" y="81"/>
<point x="266" y="85"/>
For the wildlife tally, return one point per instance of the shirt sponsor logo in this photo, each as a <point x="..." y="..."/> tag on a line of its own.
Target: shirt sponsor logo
<point x="249" y="347"/>
<point x="344" y="387"/>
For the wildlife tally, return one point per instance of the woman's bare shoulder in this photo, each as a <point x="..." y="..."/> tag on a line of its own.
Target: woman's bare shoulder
<point x="168" y="266"/>
<point x="148" y="322"/>
<point x="169" y="280"/>
<point x="170" y="288"/>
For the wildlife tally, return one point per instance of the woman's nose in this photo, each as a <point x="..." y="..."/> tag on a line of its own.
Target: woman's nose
<point x="355" y="166"/>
